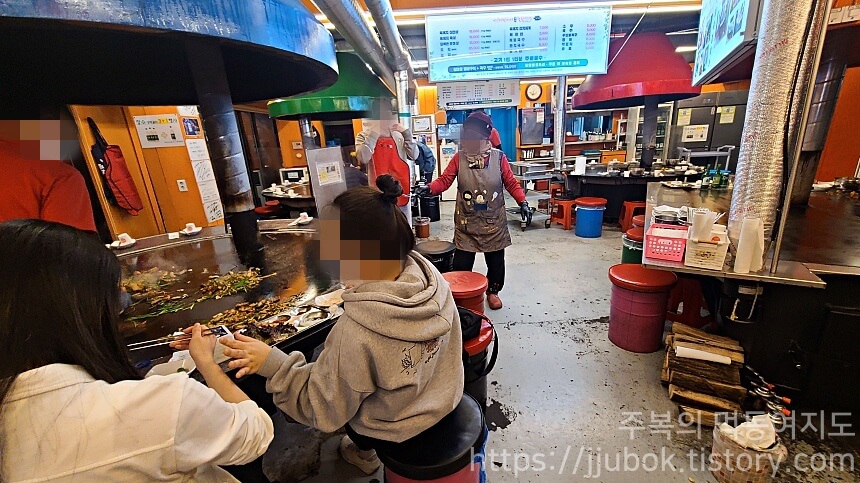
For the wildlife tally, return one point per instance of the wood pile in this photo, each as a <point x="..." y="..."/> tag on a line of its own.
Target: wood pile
<point x="703" y="388"/>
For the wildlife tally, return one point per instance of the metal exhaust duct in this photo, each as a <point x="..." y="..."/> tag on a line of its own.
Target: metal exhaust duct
<point x="774" y="89"/>
<point x="225" y="146"/>
<point x="828" y="83"/>
<point x="382" y="14"/>
<point x="348" y="18"/>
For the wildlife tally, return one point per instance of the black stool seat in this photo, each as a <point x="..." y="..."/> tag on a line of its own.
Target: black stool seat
<point x="434" y="248"/>
<point x="441" y="450"/>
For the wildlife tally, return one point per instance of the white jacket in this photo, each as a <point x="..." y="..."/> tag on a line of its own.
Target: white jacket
<point x="58" y="423"/>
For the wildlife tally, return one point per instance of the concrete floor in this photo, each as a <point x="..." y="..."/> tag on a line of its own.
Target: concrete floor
<point x="561" y="391"/>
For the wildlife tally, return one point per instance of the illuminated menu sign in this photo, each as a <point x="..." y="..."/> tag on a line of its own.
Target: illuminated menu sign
<point x="539" y="43"/>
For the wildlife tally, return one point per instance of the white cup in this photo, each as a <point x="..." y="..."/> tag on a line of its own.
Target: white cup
<point x="189" y="227"/>
<point x="303" y="216"/>
<point x="291" y="192"/>
<point x="124" y="238"/>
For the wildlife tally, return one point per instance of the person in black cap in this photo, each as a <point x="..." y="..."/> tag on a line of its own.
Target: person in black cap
<point x="480" y="221"/>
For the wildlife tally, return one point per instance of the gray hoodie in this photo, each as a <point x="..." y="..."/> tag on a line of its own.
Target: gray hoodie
<point x="391" y="367"/>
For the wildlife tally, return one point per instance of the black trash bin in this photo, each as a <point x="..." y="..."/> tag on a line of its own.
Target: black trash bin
<point x="430" y="207"/>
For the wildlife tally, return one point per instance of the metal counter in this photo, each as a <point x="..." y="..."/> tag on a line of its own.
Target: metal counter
<point x="616" y="189"/>
<point x="789" y="272"/>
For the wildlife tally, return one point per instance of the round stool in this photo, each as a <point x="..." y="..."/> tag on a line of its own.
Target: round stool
<point x="273" y="203"/>
<point x="439" y="253"/>
<point x="589" y="216"/>
<point x="631" y="251"/>
<point x="479" y="365"/>
<point x="468" y="289"/>
<point x="638" y="221"/>
<point x="638" y="304"/>
<point x="451" y="451"/>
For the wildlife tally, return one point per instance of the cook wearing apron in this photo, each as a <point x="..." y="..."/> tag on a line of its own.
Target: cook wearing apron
<point x="480" y="221"/>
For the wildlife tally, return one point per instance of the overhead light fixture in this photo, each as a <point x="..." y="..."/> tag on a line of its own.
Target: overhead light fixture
<point x="685" y="48"/>
<point x="420" y="64"/>
<point x="406" y="22"/>
<point x="553" y="80"/>
<point x="684" y="32"/>
<point x="619" y="7"/>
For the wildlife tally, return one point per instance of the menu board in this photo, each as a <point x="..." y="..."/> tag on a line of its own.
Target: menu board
<point x="498" y="45"/>
<point x="725" y="29"/>
<point x="453" y="96"/>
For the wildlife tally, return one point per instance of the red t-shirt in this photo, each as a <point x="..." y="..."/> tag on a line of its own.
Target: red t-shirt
<point x="446" y="179"/>
<point x="47" y="190"/>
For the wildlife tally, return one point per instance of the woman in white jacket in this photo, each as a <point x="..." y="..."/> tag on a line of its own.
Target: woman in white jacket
<point x="72" y="406"/>
<point x="392" y="366"/>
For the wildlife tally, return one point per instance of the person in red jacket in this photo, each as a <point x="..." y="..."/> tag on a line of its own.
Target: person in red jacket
<point x="35" y="188"/>
<point x="480" y="221"/>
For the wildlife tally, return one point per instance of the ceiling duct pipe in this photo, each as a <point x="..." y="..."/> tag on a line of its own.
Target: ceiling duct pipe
<point x="828" y="82"/>
<point x="383" y="15"/>
<point x="349" y="20"/>
<point x="782" y="48"/>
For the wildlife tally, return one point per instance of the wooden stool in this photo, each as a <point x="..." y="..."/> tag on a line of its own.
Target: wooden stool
<point x="628" y="211"/>
<point x="562" y="212"/>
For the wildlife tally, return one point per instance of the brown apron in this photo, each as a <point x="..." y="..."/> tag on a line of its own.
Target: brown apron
<point x="480" y="221"/>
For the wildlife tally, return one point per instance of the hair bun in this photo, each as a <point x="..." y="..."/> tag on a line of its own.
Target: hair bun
<point x="390" y="187"/>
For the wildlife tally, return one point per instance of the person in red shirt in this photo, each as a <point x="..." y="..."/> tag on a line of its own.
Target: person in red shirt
<point x="480" y="220"/>
<point x="42" y="189"/>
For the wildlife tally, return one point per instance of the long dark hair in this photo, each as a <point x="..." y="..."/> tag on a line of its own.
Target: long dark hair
<point x="60" y="303"/>
<point x="369" y="214"/>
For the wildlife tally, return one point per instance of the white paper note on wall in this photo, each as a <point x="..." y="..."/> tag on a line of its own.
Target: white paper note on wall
<point x="159" y="131"/>
<point x="197" y="149"/>
<point x="211" y="200"/>
<point x="187" y="111"/>
<point x="684" y="116"/>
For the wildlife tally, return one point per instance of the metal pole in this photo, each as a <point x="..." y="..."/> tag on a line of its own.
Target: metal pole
<point x="649" y="131"/>
<point x="558" y="122"/>
<point x="225" y="145"/>
<point x="307" y="132"/>
<point x="820" y="14"/>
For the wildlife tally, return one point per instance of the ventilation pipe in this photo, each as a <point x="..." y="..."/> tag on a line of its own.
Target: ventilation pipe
<point x="225" y="146"/>
<point x="787" y="48"/>
<point x="404" y="76"/>
<point x="349" y="20"/>
<point x="828" y="83"/>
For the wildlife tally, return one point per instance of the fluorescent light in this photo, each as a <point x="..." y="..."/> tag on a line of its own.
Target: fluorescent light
<point x="406" y="22"/>
<point x="420" y="64"/>
<point x="552" y="80"/>
<point x="684" y="32"/>
<point x="685" y="48"/>
<point x="620" y="7"/>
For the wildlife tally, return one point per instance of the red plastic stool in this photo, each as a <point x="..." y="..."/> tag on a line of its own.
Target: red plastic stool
<point x="686" y="303"/>
<point x="273" y="203"/>
<point x="628" y="211"/>
<point x="638" y="221"/>
<point x="468" y="289"/>
<point x="637" y="311"/>
<point x="562" y="213"/>
<point x="268" y="210"/>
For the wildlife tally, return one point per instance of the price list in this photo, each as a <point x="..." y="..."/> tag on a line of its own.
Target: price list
<point x="497" y="45"/>
<point x="479" y="94"/>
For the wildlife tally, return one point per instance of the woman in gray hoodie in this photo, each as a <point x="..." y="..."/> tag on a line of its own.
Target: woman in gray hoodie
<point x="392" y="365"/>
